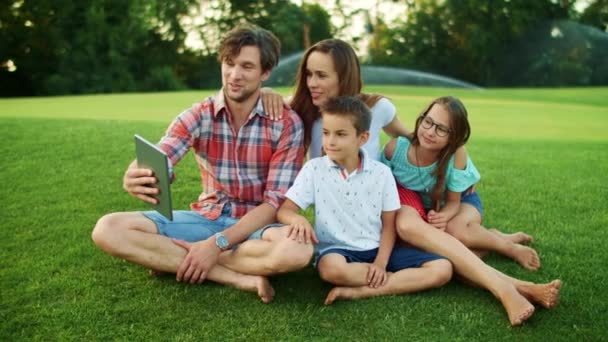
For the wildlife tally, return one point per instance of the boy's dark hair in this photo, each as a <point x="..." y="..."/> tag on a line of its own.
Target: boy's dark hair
<point x="251" y="35"/>
<point x="352" y="107"/>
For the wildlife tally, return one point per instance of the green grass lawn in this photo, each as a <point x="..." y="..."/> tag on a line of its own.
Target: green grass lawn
<point x="542" y="153"/>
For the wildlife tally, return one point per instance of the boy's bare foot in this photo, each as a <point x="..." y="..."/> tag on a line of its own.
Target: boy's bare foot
<point x="519" y="237"/>
<point x="526" y="257"/>
<point x="357" y="292"/>
<point x="518" y="308"/>
<point x="264" y="289"/>
<point x="546" y="295"/>
<point x="338" y="293"/>
<point x="333" y="295"/>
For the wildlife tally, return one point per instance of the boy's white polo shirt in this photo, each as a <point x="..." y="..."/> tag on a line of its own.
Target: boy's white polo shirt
<point x="347" y="211"/>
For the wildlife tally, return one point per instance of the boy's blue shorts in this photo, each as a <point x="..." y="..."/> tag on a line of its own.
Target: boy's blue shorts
<point x="400" y="259"/>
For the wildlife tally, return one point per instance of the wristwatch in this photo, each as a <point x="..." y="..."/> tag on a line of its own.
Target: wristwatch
<point x="221" y="241"/>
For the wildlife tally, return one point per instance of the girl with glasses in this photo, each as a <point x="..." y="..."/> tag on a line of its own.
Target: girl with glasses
<point x="435" y="165"/>
<point x="436" y="180"/>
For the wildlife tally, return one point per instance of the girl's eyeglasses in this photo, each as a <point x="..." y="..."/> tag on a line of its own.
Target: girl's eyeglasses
<point x="440" y="130"/>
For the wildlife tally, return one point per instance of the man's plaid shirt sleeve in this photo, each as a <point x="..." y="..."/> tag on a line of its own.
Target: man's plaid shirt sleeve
<point x="286" y="161"/>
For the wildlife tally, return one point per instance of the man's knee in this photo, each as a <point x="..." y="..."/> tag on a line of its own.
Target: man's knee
<point x="289" y="255"/>
<point x="102" y="228"/>
<point x="107" y="232"/>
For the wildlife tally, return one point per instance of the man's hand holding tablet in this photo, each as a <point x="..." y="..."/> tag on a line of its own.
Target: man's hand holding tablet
<point x="147" y="178"/>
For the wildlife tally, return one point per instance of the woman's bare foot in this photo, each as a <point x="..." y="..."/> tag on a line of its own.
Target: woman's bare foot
<point x="518" y="308"/>
<point x="264" y="289"/>
<point x="546" y="295"/>
<point x="519" y="237"/>
<point x="526" y="257"/>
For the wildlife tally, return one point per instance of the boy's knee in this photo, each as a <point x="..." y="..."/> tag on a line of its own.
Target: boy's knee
<point x="329" y="273"/>
<point x="442" y="271"/>
<point x="330" y="270"/>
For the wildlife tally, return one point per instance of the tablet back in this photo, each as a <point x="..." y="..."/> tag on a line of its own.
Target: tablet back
<point x="151" y="157"/>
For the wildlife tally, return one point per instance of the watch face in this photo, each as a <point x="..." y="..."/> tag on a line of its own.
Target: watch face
<point x="221" y="241"/>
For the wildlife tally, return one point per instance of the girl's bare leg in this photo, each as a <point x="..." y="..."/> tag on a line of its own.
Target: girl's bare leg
<point x="519" y="237"/>
<point x="546" y="295"/>
<point x="417" y="232"/>
<point x="466" y="227"/>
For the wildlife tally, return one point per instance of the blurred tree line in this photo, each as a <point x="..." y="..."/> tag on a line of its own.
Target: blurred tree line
<point x="499" y="42"/>
<point x="51" y="47"/>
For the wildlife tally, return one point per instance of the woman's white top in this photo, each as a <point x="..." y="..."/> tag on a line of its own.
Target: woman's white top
<point x="383" y="112"/>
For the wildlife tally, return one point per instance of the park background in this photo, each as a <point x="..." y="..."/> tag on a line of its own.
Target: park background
<point x="78" y="79"/>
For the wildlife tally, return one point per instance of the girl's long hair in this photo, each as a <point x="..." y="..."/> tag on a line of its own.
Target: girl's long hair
<point x="350" y="83"/>
<point x="459" y="135"/>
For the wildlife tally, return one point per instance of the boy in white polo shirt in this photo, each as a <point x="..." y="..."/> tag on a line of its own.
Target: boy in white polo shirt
<point x="356" y="200"/>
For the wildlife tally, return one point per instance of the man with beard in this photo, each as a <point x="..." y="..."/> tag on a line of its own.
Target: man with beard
<point x="247" y="162"/>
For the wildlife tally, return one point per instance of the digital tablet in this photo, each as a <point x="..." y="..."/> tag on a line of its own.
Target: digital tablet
<point x="151" y="157"/>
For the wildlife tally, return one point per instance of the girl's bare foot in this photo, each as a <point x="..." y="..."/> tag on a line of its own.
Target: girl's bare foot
<point x="518" y="308"/>
<point x="519" y="237"/>
<point x="156" y="273"/>
<point x="526" y="257"/>
<point x="546" y="295"/>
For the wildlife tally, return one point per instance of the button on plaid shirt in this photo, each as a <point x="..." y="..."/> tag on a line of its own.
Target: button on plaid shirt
<point x="255" y="166"/>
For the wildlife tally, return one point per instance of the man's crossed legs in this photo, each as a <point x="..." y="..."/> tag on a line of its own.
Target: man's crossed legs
<point x="146" y="239"/>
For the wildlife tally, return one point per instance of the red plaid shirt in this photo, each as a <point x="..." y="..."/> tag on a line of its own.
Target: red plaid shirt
<point x="255" y="166"/>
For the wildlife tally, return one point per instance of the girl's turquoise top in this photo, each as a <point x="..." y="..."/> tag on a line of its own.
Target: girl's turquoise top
<point x="420" y="179"/>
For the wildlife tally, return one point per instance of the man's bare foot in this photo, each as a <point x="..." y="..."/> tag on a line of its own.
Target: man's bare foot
<point x="526" y="257"/>
<point x="518" y="308"/>
<point x="519" y="237"/>
<point x="546" y="295"/>
<point x="264" y="289"/>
